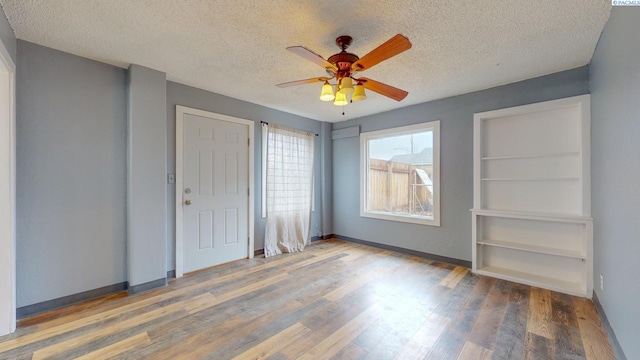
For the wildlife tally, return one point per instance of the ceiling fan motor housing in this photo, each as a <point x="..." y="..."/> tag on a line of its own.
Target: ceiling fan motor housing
<point x="343" y="60"/>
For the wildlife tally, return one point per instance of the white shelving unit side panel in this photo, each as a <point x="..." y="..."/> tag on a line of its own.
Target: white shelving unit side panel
<point x="584" y="107"/>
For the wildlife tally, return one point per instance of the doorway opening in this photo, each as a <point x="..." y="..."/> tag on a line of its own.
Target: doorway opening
<point x="214" y="189"/>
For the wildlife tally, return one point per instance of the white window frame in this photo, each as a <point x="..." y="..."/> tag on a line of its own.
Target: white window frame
<point x="365" y="137"/>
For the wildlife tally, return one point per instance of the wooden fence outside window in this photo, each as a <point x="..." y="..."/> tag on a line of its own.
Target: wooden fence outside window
<point x="397" y="188"/>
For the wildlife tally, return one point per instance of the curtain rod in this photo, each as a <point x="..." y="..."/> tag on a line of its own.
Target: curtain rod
<point x="266" y="123"/>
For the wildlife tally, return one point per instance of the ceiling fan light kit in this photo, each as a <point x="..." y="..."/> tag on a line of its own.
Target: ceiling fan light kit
<point x="327" y="92"/>
<point x="341" y="99"/>
<point x="346" y="86"/>
<point x="358" y="94"/>
<point x="343" y="66"/>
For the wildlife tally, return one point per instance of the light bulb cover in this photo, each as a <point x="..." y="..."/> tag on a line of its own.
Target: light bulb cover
<point x="327" y="92"/>
<point x="359" y="94"/>
<point x="346" y="86"/>
<point x="341" y="99"/>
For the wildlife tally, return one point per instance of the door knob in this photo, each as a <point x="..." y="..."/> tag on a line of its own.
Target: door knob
<point x="187" y="202"/>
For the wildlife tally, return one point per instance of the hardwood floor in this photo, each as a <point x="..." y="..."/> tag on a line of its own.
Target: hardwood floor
<point x="335" y="300"/>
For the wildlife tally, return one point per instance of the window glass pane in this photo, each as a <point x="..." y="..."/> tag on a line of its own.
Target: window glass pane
<point x="400" y="173"/>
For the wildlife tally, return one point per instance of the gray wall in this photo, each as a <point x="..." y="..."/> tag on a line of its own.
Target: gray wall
<point x="71" y="141"/>
<point x="146" y="177"/>
<point x="178" y="94"/>
<point x="615" y="150"/>
<point x="7" y="36"/>
<point x="72" y="171"/>
<point x="453" y="237"/>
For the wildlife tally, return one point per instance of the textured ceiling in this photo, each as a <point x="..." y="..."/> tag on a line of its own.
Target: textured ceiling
<point x="237" y="48"/>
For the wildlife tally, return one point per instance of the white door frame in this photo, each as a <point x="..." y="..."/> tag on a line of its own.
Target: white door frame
<point x="180" y="112"/>
<point x="7" y="193"/>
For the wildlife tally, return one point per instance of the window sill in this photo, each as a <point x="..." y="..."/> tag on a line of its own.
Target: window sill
<point x="401" y="218"/>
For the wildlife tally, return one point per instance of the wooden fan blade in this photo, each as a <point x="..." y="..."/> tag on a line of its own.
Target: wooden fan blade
<point x="302" y="82"/>
<point x="391" y="48"/>
<point x="311" y="56"/>
<point x="384" y="89"/>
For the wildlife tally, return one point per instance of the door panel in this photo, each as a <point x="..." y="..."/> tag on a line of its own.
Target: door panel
<point x="205" y="230"/>
<point x="230" y="226"/>
<point x="215" y="179"/>
<point x="205" y="172"/>
<point x="231" y="174"/>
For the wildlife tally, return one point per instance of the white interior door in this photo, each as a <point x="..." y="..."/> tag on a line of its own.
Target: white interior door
<point x="215" y="191"/>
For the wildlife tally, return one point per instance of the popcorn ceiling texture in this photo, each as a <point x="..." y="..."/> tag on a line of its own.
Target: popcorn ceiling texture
<point x="237" y="48"/>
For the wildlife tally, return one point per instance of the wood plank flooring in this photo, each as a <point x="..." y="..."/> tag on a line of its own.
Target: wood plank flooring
<point x="335" y="300"/>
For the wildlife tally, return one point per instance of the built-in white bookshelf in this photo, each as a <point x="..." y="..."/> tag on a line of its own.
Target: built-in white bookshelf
<point x="532" y="211"/>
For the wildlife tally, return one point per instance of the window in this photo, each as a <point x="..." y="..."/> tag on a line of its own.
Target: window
<point x="400" y="174"/>
<point x="287" y="168"/>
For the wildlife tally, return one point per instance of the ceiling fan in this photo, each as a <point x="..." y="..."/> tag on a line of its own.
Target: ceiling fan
<point x="344" y="66"/>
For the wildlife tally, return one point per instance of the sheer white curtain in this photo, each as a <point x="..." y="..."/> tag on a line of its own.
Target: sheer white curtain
<point x="289" y="186"/>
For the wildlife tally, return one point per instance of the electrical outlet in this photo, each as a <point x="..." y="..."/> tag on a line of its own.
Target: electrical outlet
<point x="601" y="282"/>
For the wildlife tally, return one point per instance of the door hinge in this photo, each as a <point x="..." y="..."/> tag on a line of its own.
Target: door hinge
<point x="248" y="192"/>
<point x="248" y="142"/>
